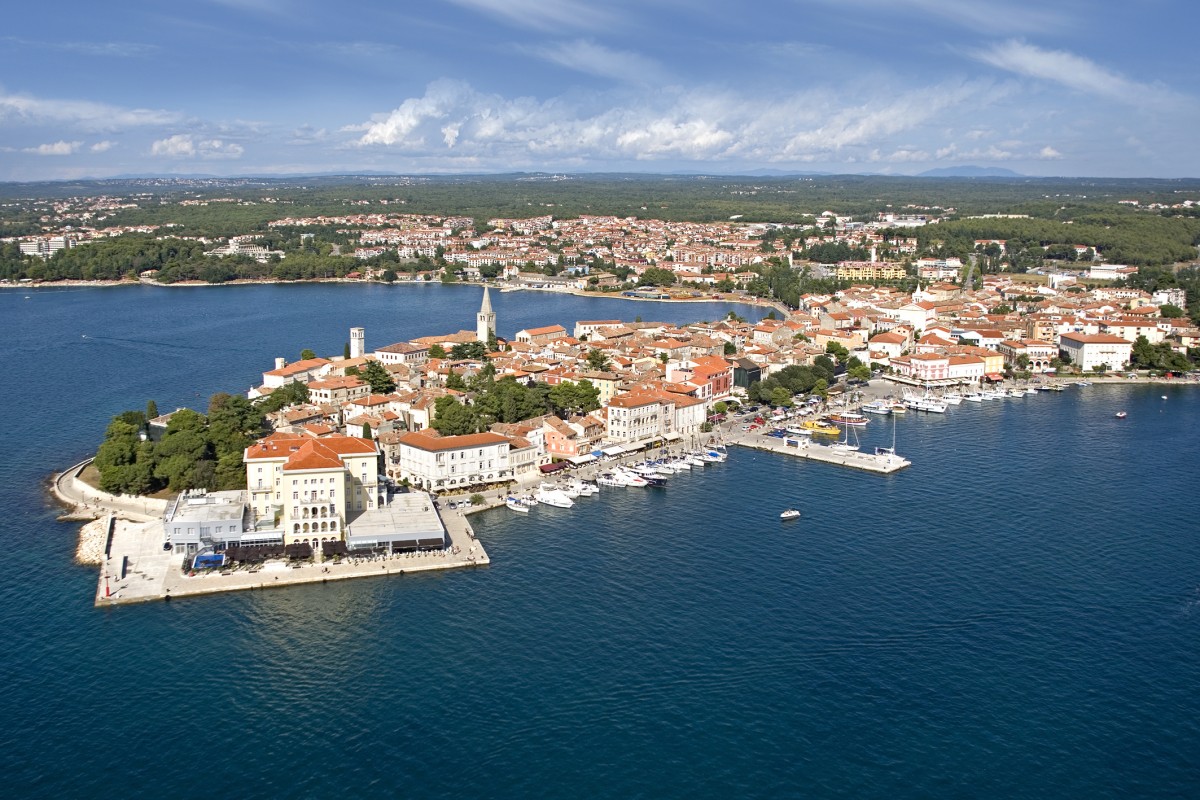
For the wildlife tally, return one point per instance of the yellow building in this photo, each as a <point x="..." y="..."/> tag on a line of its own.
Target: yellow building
<point x="309" y="489"/>
<point x="870" y="271"/>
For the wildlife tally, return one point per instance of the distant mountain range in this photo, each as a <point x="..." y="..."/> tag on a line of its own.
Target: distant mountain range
<point x="969" y="172"/>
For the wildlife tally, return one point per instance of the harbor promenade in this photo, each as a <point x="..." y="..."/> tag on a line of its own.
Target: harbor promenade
<point x="134" y="568"/>
<point x="137" y="569"/>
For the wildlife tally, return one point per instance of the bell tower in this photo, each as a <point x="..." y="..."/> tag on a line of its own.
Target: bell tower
<point x="358" y="342"/>
<point x="485" y="320"/>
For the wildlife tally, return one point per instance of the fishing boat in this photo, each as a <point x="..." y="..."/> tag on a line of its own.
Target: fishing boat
<point x="516" y="504"/>
<point x="973" y="397"/>
<point x="816" y="426"/>
<point x="790" y="513"/>
<point x="848" y="418"/>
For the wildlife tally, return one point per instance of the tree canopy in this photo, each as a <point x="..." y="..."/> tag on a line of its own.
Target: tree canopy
<point x="195" y="452"/>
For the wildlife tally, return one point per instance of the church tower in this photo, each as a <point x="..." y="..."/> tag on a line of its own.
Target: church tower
<point x="358" y="342"/>
<point x="485" y="320"/>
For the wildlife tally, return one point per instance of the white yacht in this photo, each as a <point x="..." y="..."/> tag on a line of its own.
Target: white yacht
<point x="925" y="403"/>
<point x="551" y="496"/>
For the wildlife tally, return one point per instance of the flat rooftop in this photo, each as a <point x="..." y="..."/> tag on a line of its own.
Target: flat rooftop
<point x="407" y="517"/>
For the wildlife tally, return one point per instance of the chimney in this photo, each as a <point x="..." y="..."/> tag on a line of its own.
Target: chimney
<point x="280" y="363"/>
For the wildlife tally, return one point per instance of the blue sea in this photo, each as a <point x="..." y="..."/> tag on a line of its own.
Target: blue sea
<point x="1016" y="615"/>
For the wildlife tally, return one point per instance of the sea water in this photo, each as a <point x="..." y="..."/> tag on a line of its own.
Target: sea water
<point x="1018" y="613"/>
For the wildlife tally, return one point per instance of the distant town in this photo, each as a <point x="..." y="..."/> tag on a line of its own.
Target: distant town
<point x="336" y="451"/>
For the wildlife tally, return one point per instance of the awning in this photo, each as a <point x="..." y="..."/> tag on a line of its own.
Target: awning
<point x="673" y="436"/>
<point x="555" y="467"/>
<point x="994" y="376"/>
<point x="584" y="459"/>
<point x="615" y="450"/>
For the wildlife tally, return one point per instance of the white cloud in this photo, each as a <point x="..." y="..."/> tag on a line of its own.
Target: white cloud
<point x="102" y="147"/>
<point x="544" y="15"/>
<point x="1049" y="152"/>
<point x="989" y="153"/>
<point x="183" y="145"/>
<point x="594" y="59"/>
<point x="1074" y="72"/>
<point x="83" y="114"/>
<point x="663" y="125"/>
<point x="59" y="148"/>
<point x="992" y="16"/>
<point x="112" y="49"/>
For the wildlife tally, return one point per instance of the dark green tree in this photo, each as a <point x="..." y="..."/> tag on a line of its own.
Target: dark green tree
<point x="378" y="378"/>
<point x="452" y="418"/>
<point x="183" y="447"/>
<point x="568" y="397"/>
<point x="289" y="394"/>
<point x="598" y="360"/>
<point x="469" y="351"/>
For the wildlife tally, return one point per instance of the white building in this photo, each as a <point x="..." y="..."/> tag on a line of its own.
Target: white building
<point x="634" y="417"/>
<point x="1090" y="351"/>
<point x="437" y="463"/>
<point x="198" y="519"/>
<point x="403" y="353"/>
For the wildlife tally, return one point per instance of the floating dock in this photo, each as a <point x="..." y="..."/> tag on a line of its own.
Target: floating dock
<point x="803" y="447"/>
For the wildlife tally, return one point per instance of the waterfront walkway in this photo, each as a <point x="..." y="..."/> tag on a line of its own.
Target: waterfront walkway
<point x="90" y="502"/>
<point x="134" y="568"/>
<point x="137" y="568"/>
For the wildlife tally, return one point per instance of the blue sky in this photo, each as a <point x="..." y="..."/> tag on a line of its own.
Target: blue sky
<point x="235" y="87"/>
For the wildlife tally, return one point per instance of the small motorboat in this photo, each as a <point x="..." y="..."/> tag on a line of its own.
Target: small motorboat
<point x="1121" y="415"/>
<point x="790" y="513"/>
<point x="516" y="504"/>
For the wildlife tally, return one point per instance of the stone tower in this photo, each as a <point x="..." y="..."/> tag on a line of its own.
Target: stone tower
<point x="358" y="342"/>
<point x="485" y="320"/>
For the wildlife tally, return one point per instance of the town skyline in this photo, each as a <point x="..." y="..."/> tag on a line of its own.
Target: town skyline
<point x="287" y="87"/>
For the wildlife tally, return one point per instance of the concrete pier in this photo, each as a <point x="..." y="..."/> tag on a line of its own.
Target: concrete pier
<point x="868" y="462"/>
<point x="138" y="570"/>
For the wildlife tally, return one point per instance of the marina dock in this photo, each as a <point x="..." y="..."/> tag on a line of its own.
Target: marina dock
<point x="882" y="464"/>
